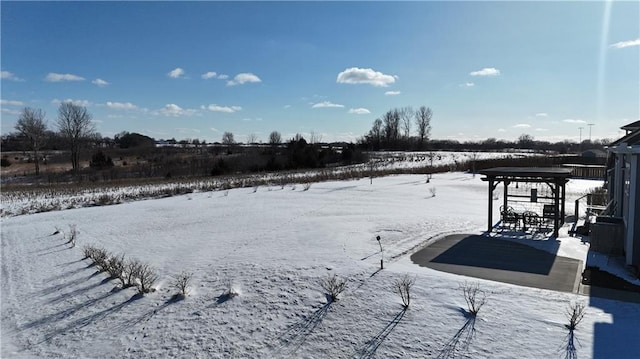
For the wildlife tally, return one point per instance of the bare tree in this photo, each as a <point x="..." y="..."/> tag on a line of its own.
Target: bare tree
<point x="403" y="288"/>
<point x="146" y="278"/>
<point x="575" y="313"/>
<point x="333" y="286"/>
<point x="275" y="138"/>
<point x="315" y="137"/>
<point x="74" y="123"/>
<point x="474" y="296"/>
<point x="252" y="138"/>
<point x="227" y="139"/>
<point x="423" y="123"/>
<point x="32" y="126"/>
<point x="376" y="134"/>
<point x="391" y="120"/>
<point x="406" y="115"/>
<point x="181" y="282"/>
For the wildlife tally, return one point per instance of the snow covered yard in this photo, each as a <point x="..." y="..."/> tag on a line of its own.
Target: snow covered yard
<point x="274" y="245"/>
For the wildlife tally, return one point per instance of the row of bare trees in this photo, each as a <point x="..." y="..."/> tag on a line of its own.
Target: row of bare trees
<point x="74" y="124"/>
<point x="394" y="128"/>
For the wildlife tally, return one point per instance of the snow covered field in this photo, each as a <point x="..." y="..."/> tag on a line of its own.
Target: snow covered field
<point x="274" y="245"/>
<point x="45" y="199"/>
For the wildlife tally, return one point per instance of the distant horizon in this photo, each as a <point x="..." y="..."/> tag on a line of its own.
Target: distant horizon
<point x="194" y="70"/>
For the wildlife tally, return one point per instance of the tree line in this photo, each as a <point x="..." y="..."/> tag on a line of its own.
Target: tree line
<point x="75" y="130"/>
<point x="75" y="133"/>
<point x="397" y="129"/>
<point x="406" y="129"/>
<point x="393" y="130"/>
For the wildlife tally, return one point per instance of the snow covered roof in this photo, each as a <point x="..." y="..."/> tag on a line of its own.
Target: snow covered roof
<point x="528" y="172"/>
<point x="632" y="126"/>
<point x="631" y="139"/>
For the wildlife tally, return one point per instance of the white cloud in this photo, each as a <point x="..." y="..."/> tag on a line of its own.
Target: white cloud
<point x="623" y="44"/>
<point x="326" y="104"/>
<point x="214" y="129"/>
<point x="392" y="93"/>
<point x="6" y="75"/>
<point x="174" y="110"/>
<point x="467" y="84"/>
<point x="100" y="82"/>
<point x="286" y="106"/>
<point x="10" y="111"/>
<point x="176" y="73"/>
<point x="245" y="77"/>
<point x="359" y="111"/>
<point x="209" y="75"/>
<point x="487" y="71"/>
<point x="356" y="75"/>
<point x="542" y="114"/>
<point x="226" y="109"/>
<point x="54" y="77"/>
<point x="223" y="76"/>
<point x="11" y="103"/>
<point x="121" y="105"/>
<point x="571" y="120"/>
<point x="84" y="103"/>
<point x="541" y="129"/>
<point x="502" y="130"/>
<point x="522" y="125"/>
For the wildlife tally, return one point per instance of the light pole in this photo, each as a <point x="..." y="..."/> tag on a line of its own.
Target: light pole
<point x="381" y="253"/>
<point x="590" y="125"/>
<point x="580" y="128"/>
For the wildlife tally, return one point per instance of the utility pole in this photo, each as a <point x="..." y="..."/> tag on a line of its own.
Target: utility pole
<point x="590" y="125"/>
<point x="580" y="128"/>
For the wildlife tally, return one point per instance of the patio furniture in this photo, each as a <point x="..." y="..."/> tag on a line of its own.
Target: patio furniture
<point x="510" y="217"/>
<point x="531" y="219"/>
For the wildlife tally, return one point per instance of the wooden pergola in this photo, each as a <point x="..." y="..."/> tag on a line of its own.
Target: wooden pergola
<point x="556" y="178"/>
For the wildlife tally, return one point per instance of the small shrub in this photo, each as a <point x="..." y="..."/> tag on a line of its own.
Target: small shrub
<point x="88" y="252"/>
<point x="333" y="286"/>
<point x="306" y="186"/>
<point x="100" y="160"/>
<point x="115" y="268"/>
<point x="181" y="282"/>
<point x="226" y="193"/>
<point x="255" y="189"/>
<point x="73" y="235"/>
<point x="130" y="272"/>
<point x="146" y="276"/>
<point x="432" y="190"/>
<point x="474" y="296"/>
<point x="403" y="288"/>
<point x="575" y="312"/>
<point x="100" y="258"/>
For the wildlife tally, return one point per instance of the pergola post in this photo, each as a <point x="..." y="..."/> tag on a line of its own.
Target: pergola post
<point x="506" y="195"/>
<point x="564" y="198"/>
<point x="491" y="188"/>
<point x="556" y="214"/>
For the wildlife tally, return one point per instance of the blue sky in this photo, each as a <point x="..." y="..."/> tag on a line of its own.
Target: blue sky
<point x="197" y="69"/>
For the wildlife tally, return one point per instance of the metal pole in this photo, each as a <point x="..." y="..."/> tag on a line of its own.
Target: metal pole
<point x="580" y="128"/>
<point x="381" y="253"/>
<point x="590" y="125"/>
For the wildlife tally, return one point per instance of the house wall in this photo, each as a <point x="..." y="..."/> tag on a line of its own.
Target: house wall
<point x="633" y="228"/>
